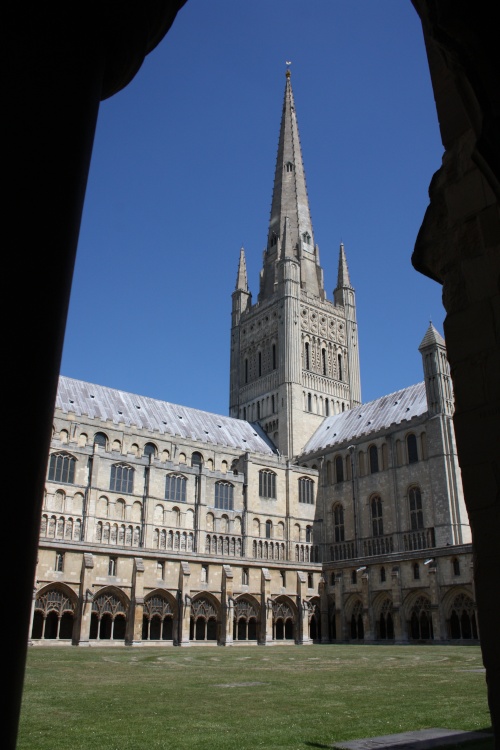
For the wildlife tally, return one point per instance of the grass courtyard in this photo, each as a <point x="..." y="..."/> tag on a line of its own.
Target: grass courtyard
<point x="244" y="697"/>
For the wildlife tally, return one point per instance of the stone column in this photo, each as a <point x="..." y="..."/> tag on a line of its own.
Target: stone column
<point x="266" y="611"/>
<point x="184" y="604"/>
<point x="86" y="599"/>
<point x="367" y="615"/>
<point x="134" y="625"/>
<point x="400" y="634"/>
<point x="438" y="629"/>
<point x="303" y="611"/>
<point x="340" y="624"/>
<point x="323" y="605"/>
<point x="227" y="607"/>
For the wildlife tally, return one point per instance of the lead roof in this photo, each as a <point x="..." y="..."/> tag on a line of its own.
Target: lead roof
<point x="385" y="412"/>
<point x="119" y="407"/>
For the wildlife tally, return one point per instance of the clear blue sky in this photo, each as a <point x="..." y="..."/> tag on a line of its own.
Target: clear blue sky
<point x="182" y="174"/>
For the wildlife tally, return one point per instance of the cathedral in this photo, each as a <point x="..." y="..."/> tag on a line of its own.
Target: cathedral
<point x="305" y="516"/>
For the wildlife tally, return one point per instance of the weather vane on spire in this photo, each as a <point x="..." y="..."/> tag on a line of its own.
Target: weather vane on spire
<point x="288" y="62"/>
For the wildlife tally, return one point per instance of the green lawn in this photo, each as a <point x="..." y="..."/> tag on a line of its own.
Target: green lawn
<point x="241" y="698"/>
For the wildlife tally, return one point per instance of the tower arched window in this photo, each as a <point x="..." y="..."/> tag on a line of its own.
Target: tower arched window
<point x="416" y="512"/>
<point x="323" y="360"/>
<point x="274" y="356"/>
<point x="309" y="534"/>
<point x="339" y="469"/>
<point x="309" y="402"/>
<point x="269" y="529"/>
<point x="411" y="447"/>
<point x="373" y="458"/>
<point x="307" y="356"/>
<point x="376" y="511"/>
<point x="246" y="370"/>
<point x="339" y="360"/>
<point x="259" y="360"/>
<point x="289" y="166"/>
<point x="338" y="523"/>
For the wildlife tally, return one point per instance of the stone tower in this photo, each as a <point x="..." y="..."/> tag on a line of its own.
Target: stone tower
<point x="294" y="354"/>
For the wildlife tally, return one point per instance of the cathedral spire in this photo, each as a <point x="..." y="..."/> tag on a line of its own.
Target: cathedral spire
<point x="290" y="201"/>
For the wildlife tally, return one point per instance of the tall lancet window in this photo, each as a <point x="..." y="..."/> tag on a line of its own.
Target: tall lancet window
<point x="307" y="356"/>
<point x="340" y="366"/>
<point x="323" y="360"/>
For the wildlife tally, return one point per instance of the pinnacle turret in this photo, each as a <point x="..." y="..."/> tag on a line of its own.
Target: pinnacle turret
<point x="241" y="277"/>
<point x="343" y="280"/>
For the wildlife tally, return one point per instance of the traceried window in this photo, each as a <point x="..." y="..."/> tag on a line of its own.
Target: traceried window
<point x="411" y="447"/>
<point x="338" y="523"/>
<point x="175" y="488"/>
<point x="267" y="484"/>
<point x="376" y="511"/>
<point x="224" y="495"/>
<point x="122" y="478"/>
<point x="416" y="512"/>
<point x="62" y="468"/>
<point x="373" y="458"/>
<point x="306" y="490"/>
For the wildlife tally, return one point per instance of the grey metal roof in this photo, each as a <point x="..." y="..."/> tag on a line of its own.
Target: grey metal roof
<point x="369" y="418"/>
<point x="107" y="404"/>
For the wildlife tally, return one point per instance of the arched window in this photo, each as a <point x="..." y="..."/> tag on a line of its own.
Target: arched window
<point x="224" y="492"/>
<point x="339" y="469"/>
<point x="323" y="361"/>
<point x="382" y="574"/>
<point x="101" y="440"/>
<point x="122" y="478"/>
<point x="62" y="468"/>
<point x="307" y="357"/>
<point x="338" y="522"/>
<point x="309" y="402"/>
<point x="373" y="458"/>
<point x="175" y="488"/>
<point x="149" y="450"/>
<point x="196" y="459"/>
<point x="274" y="358"/>
<point x="456" y="566"/>
<point x="354" y="576"/>
<point x="246" y="370"/>
<point x="416" y="571"/>
<point x="376" y="511"/>
<point x="416" y="512"/>
<point x="267" y="484"/>
<point x="259" y="366"/>
<point x="309" y="534"/>
<point x="289" y="166"/>
<point x="269" y="529"/>
<point x="306" y="490"/>
<point x="411" y="447"/>
<point x="339" y="360"/>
